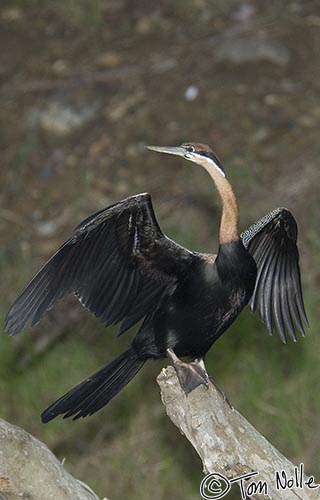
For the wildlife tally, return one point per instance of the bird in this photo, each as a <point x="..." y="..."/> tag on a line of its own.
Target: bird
<point x="125" y="270"/>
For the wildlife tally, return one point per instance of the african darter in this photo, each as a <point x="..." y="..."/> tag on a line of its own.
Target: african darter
<point x="124" y="269"/>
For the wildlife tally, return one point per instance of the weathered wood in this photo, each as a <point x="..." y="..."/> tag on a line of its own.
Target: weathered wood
<point x="28" y="469"/>
<point x="226" y="442"/>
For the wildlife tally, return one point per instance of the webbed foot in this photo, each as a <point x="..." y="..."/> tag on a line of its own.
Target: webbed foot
<point x="190" y="375"/>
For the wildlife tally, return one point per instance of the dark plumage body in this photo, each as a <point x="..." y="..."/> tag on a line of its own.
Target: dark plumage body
<point x="124" y="269"/>
<point x="206" y="301"/>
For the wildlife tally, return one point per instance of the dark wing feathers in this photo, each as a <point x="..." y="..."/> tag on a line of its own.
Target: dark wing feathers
<point x="277" y="296"/>
<point x="117" y="262"/>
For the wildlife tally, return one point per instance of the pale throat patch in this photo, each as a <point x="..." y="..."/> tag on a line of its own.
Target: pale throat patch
<point x="204" y="160"/>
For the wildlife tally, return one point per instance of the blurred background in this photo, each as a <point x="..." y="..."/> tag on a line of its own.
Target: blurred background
<point x="84" y="86"/>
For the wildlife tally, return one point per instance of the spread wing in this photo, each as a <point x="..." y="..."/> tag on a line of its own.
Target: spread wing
<point x="277" y="295"/>
<point x="117" y="262"/>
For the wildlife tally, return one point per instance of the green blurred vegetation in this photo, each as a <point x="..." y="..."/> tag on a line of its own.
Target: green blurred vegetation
<point x="131" y="445"/>
<point x="91" y="15"/>
<point x="80" y="14"/>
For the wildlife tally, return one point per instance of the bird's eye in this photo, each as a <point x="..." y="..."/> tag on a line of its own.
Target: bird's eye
<point x="190" y="149"/>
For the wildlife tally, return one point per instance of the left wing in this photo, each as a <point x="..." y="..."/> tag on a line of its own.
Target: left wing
<point x="117" y="262"/>
<point x="277" y="295"/>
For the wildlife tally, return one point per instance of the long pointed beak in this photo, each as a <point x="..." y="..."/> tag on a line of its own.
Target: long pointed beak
<point x="171" y="150"/>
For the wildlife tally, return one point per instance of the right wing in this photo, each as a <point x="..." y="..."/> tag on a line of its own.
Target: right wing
<point x="117" y="262"/>
<point x="272" y="242"/>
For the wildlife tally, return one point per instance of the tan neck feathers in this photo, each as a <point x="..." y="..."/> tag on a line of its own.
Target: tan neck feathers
<point x="229" y="225"/>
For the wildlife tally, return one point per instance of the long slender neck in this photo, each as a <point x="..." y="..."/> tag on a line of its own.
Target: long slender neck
<point x="229" y="225"/>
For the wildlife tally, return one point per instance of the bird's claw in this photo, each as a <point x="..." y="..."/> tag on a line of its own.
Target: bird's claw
<point x="224" y="396"/>
<point x="190" y="375"/>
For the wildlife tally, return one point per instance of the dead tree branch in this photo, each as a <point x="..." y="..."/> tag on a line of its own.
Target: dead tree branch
<point x="28" y="469"/>
<point x="227" y="443"/>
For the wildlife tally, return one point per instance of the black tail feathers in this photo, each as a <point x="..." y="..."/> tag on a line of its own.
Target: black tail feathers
<point x="96" y="391"/>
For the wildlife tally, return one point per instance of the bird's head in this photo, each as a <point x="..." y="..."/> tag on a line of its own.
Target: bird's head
<point x="198" y="153"/>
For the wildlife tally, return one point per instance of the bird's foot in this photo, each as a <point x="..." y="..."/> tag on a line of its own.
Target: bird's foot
<point x="190" y="375"/>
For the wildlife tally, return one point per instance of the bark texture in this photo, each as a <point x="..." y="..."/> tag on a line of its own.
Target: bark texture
<point x="29" y="470"/>
<point x="227" y="443"/>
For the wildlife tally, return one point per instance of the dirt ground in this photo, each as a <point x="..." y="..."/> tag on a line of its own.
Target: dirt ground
<point x="254" y="74"/>
<point x="83" y="89"/>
